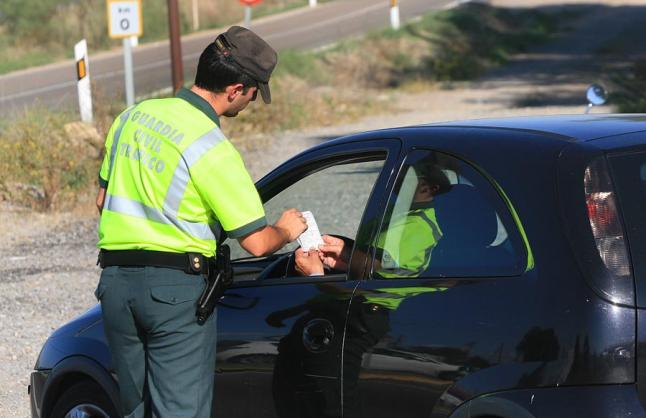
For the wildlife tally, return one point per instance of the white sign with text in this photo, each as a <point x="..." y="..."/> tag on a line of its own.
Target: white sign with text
<point x="124" y="18"/>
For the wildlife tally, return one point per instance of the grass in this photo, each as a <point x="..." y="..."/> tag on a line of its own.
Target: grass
<point x="43" y="167"/>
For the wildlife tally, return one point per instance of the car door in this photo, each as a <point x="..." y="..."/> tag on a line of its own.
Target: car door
<point x="280" y="334"/>
<point x="447" y="243"/>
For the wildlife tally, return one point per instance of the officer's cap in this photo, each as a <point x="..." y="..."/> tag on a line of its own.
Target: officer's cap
<point x="252" y="54"/>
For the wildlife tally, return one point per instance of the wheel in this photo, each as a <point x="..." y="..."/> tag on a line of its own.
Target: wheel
<point x="84" y="400"/>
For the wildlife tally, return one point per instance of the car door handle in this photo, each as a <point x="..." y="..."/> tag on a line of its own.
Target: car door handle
<point x="318" y="335"/>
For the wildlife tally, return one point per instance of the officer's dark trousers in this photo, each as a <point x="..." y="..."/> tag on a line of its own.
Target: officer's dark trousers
<point x="165" y="360"/>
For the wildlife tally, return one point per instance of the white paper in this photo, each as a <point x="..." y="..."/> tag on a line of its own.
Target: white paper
<point x="311" y="238"/>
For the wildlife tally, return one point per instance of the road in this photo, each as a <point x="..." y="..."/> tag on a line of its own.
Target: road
<point x="54" y="85"/>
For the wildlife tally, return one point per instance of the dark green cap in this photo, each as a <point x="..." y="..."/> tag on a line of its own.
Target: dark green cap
<point x="252" y="54"/>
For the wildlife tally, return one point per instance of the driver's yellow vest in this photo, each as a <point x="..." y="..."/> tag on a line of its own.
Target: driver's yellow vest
<point x="405" y="247"/>
<point x="173" y="181"/>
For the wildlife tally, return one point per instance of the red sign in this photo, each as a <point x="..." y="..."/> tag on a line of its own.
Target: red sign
<point x="250" y="2"/>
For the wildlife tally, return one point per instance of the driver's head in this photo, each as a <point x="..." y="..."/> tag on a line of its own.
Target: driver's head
<point x="431" y="181"/>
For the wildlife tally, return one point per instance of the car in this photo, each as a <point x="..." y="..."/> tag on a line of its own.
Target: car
<point x="518" y="291"/>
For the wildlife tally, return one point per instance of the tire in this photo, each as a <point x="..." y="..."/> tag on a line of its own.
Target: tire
<point x="84" y="400"/>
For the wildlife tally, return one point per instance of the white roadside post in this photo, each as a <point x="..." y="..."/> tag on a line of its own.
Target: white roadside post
<point x="83" y="81"/>
<point x="124" y="21"/>
<point x="247" y="10"/>
<point x="196" y="16"/>
<point x="394" y="14"/>
<point x="312" y="3"/>
<point x="247" y="16"/>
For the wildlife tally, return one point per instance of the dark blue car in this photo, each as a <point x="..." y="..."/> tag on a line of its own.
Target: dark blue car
<point x="519" y="291"/>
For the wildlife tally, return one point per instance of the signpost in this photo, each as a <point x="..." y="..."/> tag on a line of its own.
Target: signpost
<point x="124" y="21"/>
<point x="83" y="83"/>
<point x="247" y="10"/>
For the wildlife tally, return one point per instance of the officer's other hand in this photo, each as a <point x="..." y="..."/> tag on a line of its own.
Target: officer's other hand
<point x="333" y="253"/>
<point x="293" y="223"/>
<point x="308" y="263"/>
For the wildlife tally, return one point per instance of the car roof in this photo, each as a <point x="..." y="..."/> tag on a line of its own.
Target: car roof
<point x="576" y="127"/>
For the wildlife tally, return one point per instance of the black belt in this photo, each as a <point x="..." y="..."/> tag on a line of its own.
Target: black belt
<point x="191" y="263"/>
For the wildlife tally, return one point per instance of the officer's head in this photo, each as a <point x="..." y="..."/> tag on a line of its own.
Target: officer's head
<point x="431" y="181"/>
<point x="238" y="63"/>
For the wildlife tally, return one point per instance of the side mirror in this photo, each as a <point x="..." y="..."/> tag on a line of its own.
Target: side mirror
<point x="596" y="96"/>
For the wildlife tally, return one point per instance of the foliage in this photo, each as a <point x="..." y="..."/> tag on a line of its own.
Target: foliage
<point x="41" y="165"/>
<point x="629" y="96"/>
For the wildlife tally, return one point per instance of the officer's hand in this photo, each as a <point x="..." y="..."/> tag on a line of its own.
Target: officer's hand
<point x="308" y="263"/>
<point x="293" y="223"/>
<point x="333" y="253"/>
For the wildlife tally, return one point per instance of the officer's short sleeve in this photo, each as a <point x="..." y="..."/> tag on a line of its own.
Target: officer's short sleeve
<point x="222" y="180"/>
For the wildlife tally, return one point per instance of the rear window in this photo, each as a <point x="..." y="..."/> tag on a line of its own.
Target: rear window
<point x="629" y="175"/>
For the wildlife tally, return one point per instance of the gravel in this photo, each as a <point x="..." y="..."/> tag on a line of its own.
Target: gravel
<point x="48" y="266"/>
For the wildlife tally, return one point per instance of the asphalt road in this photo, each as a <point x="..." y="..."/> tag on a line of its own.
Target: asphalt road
<point x="54" y="85"/>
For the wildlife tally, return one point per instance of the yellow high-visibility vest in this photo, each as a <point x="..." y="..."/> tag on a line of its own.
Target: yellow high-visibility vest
<point x="173" y="180"/>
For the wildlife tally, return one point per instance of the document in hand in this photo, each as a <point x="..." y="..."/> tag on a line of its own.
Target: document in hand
<point x="311" y="238"/>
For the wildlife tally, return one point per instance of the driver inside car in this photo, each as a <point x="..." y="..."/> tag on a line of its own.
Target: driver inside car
<point x="404" y="247"/>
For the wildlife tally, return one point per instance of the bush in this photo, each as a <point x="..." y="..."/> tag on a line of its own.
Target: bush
<point x="630" y="86"/>
<point x="41" y="165"/>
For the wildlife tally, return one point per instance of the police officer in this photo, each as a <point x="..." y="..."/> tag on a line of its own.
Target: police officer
<point x="171" y="185"/>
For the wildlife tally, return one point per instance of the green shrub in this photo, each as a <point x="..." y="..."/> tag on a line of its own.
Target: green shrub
<point x="41" y="165"/>
<point x="629" y="89"/>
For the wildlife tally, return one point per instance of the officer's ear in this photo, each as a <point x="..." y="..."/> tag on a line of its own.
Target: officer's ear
<point x="234" y="90"/>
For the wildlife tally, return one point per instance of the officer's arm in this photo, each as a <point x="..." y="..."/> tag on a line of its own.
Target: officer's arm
<point x="271" y="238"/>
<point x="100" y="199"/>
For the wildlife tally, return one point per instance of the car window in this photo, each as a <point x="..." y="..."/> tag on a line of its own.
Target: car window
<point x="445" y="219"/>
<point x="629" y="175"/>
<point x="336" y="196"/>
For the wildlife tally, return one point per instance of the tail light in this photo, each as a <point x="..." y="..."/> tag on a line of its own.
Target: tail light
<point x="608" y="232"/>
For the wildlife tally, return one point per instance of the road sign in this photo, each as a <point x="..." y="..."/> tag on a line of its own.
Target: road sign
<point x="124" y="18"/>
<point x="250" y="2"/>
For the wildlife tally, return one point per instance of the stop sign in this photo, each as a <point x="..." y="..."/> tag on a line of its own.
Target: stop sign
<point x="250" y="2"/>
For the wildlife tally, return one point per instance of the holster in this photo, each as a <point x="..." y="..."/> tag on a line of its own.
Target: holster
<point x="217" y="281"/>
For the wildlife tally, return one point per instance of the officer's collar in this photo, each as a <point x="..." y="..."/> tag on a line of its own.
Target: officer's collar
<point x="422" y="205"/>
<point x="199" y="103"/>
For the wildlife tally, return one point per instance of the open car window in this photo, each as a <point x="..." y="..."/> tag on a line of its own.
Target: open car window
<point x="336" y="195"/>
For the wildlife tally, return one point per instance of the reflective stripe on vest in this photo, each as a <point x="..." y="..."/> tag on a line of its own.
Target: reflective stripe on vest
<point x="436" y="231"/>
<point x="115" y="140"/>
<point x="131" y="207"/>
<point x="190" y="156"/>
